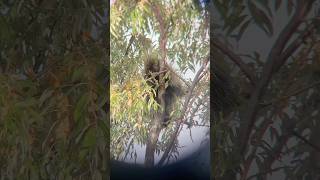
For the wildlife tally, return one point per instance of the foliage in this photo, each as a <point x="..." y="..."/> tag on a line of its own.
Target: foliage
<point x="273" y="130"/>
<point x="129" y="119"/>
<point x="136" y="35"/>
<point x="53" y="97"/>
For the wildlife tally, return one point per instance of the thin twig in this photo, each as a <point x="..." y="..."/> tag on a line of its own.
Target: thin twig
<point x="267" y="172"/>
<point x="290" y="95"/>
<point x="315" y="147"/>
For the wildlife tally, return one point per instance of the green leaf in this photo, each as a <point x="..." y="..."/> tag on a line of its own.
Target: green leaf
<point x="235" y="23"/>
<point x="103" y="100"/>
<point x="243" y="27"/>
<point x="44" y="96"/>
<point x="260" y="18"/>
<point x="78" y="74"/>
<point x="89" y="138"/>
<point x="27" y="103"/>
<point x="80" y="108"/>
<point x="103" y="127"/>
<point x="265" y="5"/>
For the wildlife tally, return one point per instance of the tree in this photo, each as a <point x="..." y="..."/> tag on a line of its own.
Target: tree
<point x="53" y="97"/>
<point x="140" y="29"/>
<point x="274" y="128"/>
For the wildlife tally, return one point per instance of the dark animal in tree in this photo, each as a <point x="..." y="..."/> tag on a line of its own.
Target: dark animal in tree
<point x="173" y="85"/>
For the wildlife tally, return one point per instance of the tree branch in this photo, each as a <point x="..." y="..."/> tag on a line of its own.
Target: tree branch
<point x="236" y="59"/>
<point x="315" y="147"/>
<point x="248" y="118"/>
<point x="295" y="45"/>
<point x="156" y="124"/>
<point x="299" y="91"/>
<point x="185" y="107"/>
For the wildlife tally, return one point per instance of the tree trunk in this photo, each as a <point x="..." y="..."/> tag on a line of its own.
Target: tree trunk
<point x="153" y="139"/>
<point x="156" y="124"/>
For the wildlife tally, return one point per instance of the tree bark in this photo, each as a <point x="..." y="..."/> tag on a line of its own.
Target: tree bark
<point x="155" y="127"/>
<point x="152" y="140"/>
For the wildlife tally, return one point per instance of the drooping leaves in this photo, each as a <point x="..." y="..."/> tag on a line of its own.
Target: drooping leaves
<point x="260" y="18"/>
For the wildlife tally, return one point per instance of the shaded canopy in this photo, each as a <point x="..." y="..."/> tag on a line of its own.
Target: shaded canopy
<point x="222" y="91"/>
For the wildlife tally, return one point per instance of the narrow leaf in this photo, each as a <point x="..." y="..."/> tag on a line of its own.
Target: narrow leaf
<point x="277" y="4"/>
<point x="243" y="28"/>
<point x="261" y="18"/>
<point x="265" y="5"/>
<point x="235" y="23"/>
